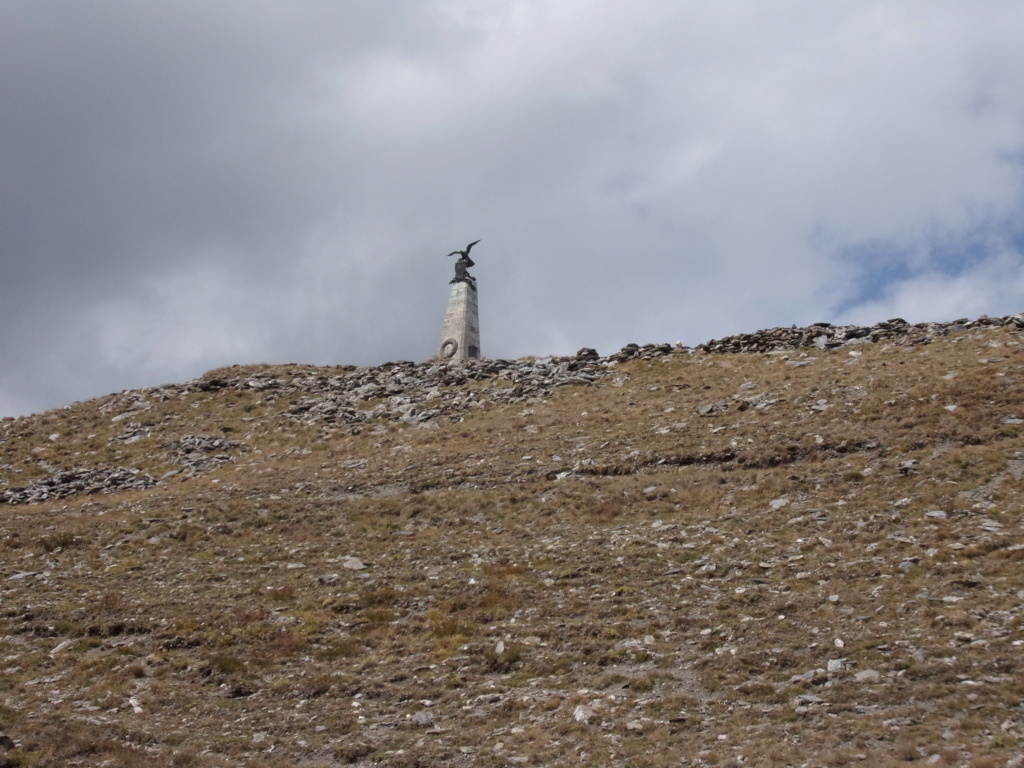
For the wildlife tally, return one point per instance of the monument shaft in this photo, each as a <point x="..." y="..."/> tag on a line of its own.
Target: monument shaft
<point x="460" y="336"/>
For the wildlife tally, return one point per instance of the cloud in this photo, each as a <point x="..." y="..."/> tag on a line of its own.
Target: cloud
<point x="188" y="185"/>
<point x="992" y="286"/>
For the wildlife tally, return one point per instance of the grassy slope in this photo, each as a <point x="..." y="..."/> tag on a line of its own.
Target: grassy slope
<point x="602" y="577"/>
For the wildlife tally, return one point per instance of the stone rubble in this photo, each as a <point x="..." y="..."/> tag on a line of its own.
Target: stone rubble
<point x="826" y="336"/>
<point x="79" y="480"/>
<point x="416" y="393"/>
<point x="198" y="453"/>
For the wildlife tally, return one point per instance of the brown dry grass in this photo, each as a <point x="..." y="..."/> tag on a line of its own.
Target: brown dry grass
<point x="601" y="577"/>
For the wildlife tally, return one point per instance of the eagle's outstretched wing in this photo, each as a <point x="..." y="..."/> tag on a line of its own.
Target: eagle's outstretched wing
<point x="465" y="252"/>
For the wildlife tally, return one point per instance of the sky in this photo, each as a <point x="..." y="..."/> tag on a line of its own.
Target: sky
<point x="190" y="184"/>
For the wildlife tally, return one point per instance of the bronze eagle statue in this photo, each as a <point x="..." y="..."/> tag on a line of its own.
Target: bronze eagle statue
<point x="462" y="265"/>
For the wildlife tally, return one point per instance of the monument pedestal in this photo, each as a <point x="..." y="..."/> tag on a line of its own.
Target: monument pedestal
<point x="460" y="336"/>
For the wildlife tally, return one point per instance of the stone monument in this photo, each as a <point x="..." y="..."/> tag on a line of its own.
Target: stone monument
<point x="460" y="335"/>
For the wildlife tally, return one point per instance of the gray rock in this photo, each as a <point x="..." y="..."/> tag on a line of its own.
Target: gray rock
<point x="582" y="714"/>
<point x="423" y="718"/>
<point x="713" y="408"/>
<point x="806" y="698"/>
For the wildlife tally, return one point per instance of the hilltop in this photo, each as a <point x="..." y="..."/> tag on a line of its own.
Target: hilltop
<point x="798" y="546"/>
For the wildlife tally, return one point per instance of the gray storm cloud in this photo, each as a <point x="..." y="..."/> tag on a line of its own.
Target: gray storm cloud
<point x="185" y="185"/>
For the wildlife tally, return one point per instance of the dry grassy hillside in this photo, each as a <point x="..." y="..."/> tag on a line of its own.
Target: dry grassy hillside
<point x="797" y="557"/>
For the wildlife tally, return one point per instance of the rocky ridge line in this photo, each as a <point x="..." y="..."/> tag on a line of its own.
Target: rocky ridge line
<point x="823" y="336"/>
<point x="417" y="393"/>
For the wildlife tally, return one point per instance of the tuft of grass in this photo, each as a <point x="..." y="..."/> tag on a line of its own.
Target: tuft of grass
<point x="503" y="657"/>
<point x="225" y="664"/>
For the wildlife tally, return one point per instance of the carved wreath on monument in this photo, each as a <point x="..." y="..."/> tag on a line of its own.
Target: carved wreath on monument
<point x="448" y="348"/>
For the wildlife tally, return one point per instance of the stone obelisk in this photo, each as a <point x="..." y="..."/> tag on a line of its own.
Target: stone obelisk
<point x="460" y="335"/>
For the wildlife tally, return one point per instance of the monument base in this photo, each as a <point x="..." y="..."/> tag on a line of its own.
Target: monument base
<point x="460" y="335"/>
